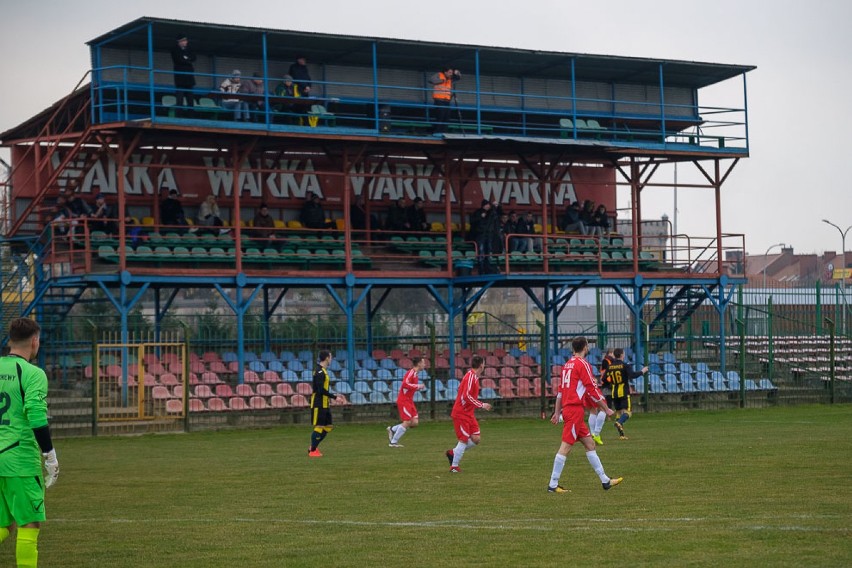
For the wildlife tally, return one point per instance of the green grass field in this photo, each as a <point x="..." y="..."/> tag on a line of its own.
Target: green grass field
<point x="767" y="487"/>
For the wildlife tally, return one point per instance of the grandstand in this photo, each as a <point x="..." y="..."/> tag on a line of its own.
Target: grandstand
<point x="533" y="131"/>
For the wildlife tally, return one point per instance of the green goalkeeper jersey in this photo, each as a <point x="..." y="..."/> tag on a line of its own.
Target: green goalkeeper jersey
<point x="23" y="406"/>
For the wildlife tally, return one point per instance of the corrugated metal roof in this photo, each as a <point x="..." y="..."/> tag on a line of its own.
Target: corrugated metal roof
<point x="284" y="45"/>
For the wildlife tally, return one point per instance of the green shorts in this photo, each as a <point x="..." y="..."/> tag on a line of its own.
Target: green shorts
<point x="21" y="500"/>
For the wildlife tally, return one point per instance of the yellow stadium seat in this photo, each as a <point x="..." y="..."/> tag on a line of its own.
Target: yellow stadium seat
<point x="294" y="224"/>
<point x="147" y="221"/>
<point x="537" y="227"/>
<point x="340" y="224"/>
<point x="437" y="227"/>
<point x="279" y="224"/>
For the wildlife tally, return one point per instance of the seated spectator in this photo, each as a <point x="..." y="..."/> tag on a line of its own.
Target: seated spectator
<point x="526" y="226"/>
<point x="171" y="211"/>
<point x="232" y="85"/>
<point x="506" y="228"/>
<point x="601" y="220"/>
<point x="587" y="216"/>
<point x="60" y="217"/>
<point x="209" y="215"/>
<point x="264" y="225"/>
<point x="132" y="230"/>
<point x="254" y="87"/>
<point x="286" y="88"/>
<point x="312" y="215"/>
<point x="571" y="222"/>
<point x="417" y="216"/>
<point x="397" y="219"/>
<point x="103" y="216"/>
<point x="513" y="227"/>
<point x="79" y="209"/>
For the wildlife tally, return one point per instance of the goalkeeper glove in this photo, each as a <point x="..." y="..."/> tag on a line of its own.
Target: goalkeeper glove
<point x="51" y="466"/>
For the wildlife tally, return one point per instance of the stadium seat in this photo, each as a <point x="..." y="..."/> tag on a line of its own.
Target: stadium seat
<point x="295" y="366"/>
<point x="268" y="357"/>
<point x="250" y="377"/>
<point x="197" y="367"/>
<point x="257" y="367"/>
<point x="306" y="375"/>
<point x="276" y="366"/>
<point x="169" y="379"/>
<point x="229" y="356"/>
<point x="264" y="389"/>
<point x="718" y="381"/>
<point x="488" y="394"/>
<point x="765" y="384"/>
<point x="174" y="406"/>
<point x="278" y="401"/>
<point x="378" y="398"/>
<point x="670" y="381"/>
<point x="638" y="385"/>
<point x="702" y="382"/>
<point x="244" y="390"/>
<point x="364" y="375"/>
<point x="381" y="386"/>
<point x="358" y="398"/>
<point x="286" y="356"/>
<point x="289" y="376"/>
<point x="216" y="405"/>
<point x="217" y="367"/>
<point x="224" y="391"/>
<point x="202" y="391"/>
<point x="285" y="389"/>
<point x="299" y="400"/>
<point x="305" y="356"/>
<point x="656" y="385"/>
<point x="160" y="393"/>
<point x="257" y="403"/>
<point x="304" y="389"/>
<point x="750" y="385"/>
<point x="196" y="405"/>
<point x="237" y="403"/>
<point x="270" y="377"/>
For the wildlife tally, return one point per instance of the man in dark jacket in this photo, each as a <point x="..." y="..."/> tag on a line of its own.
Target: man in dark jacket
<point x="485" y="230"/>
<point x="183" y="59"/>
<point x="312" y="216"/>
<point x="417" y="216"/>
<point x="301" y="76"/>
<point x="171" y="211"/>
<point x="397" y="219"/>
<point x="571" y="222"/>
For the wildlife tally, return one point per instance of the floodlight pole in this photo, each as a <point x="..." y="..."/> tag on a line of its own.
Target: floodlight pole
<point x="842" y="271"/>
<point x="766" y="264"/>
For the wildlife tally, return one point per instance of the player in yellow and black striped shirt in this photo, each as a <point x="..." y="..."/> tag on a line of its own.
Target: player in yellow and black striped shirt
<point x="618" y="376"/>
<point x="320" y="403"/>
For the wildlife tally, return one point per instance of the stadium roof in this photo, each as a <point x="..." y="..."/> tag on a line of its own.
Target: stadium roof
<point x="284" y="45"/>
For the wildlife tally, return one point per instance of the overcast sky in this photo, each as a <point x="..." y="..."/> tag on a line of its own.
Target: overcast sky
<point x="800" y="122"/>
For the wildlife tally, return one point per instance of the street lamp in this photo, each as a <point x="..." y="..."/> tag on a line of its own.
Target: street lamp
<point x="766" y="263"/>
<point x="842" y="268"/>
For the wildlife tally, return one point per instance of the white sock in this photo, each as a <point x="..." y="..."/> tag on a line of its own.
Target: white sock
<point x="600" y="424"/>
<point x="593" y="423"/>
<point x="558" y="464"/>
<point x="471" y="444"/>
<point x="398" y="432"/>
<point x="458" y="452"/>
<point x="597" y="465"/>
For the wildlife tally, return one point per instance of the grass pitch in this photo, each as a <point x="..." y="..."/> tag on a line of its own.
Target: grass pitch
<point x="768" y="487"/>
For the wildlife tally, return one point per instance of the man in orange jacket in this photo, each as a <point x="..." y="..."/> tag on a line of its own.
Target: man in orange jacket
<point x="442" y="95"/>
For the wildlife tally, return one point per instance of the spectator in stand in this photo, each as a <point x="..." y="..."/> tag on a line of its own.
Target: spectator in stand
<point x="171" y="212"/>
<point x="510" y="227"/>
<point x="103" y="216"/>
<point x="417" y="216"/>
<point x="443" y="83"/>
<point x="301" y="76"/>
<point x="132" y="230"/>
<point x="287" y="88"/>
<point x="601" y="220"/>
<point x="571" y="222"/>
<point x="79" y="209"/>
<point x="485" y="230"/>
<point x="210" y="216"/>
<point x="60" y="217"/>
<point x="232" y="85"/>
<point x="587" y="216"/>
<point x="526" y="226"/>
<point x="264" y="225"/>
<point x="256" y="88"/>
<point x="183" y="59"/>
<point x="312" y="216"/>
<point x="397" y="219"/>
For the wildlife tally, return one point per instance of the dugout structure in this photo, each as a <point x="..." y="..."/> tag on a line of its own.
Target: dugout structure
<point x="530" y="130"/>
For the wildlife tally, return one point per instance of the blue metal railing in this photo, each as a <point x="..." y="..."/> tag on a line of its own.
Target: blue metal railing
<point x="142" y="93"/>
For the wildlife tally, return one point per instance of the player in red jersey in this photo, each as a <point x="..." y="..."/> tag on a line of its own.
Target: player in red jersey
<point x="464" y="420"/>
<point x="577" y="384"/>
<point x="405" y="403"/>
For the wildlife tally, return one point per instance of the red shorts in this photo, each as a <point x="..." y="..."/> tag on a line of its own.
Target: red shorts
<point x="575" y="427"/>
<point x="407" y="410"/>
<point x="466" y="426"/>
<point x="588" y="402"/>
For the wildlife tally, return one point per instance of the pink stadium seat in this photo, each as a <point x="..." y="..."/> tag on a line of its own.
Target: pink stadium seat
<point x="536" y="384"/>
<point x="170" y="359"/>
<point x="210" y="356"/>
<point x="196" y="405"/>
<point x="555" y="371"/>
<point x="343" y="402"/>
<point x="210" y="378"/>
<point x="488" y="383"/>
<point x="508" y="372"/>
<point x="113" y="371"/>
<point x="149" y="380"/>
<point x="441" y="363"/>
<point x="304" y="389"/>
<point x="224" y="391"/>
<point x="250" y="377"/>
<point x="524" y="371"/>
<point x="202" y="391"/>
<point x="501" y="353"/>
<point x="483" y="352"/>
<point x="160" y="393"/>
<point x="197" y="367"/>
<point x="156" y="369"/>
<point x="177" y="391"/>
<point x="218" y="367"/>
<point x="285" y="389"/>
<point x="463" y="362"/>
<point x="271" y="377"/>
<point x="233" y="366"/>
<point x="397" y="354"/>
<point x="175" y="368"/>
<point x="150" y="358"/>
<point x="278" y="401"/>
<point x="174" y="406"/>
<point x="507" y="388"/>
<point x="459" y="374"/>
<point x="405" y="362"/>
<point x="216" y="405"/>
<point x="87" y="371"/>
<point x="526" y="360"/>
<point x="264" y="389"/>
<point x="510" y="361"/>
<point x="466" y="352"/>
<point x="257" y="403"/>
<point x="491" y="373"/>
<point x="524" y="388"/>
<point x="237" y="403"/>
<point x="298" y="400"/>
<point x="244" y="390"/>
<point x="492" y="361"/>
<point x="379" y="354"/>
<point x="169" y="379"/>
<point x="193" y="379"/>
<point x="193" y="358"/>
<point x="414" y="353"/>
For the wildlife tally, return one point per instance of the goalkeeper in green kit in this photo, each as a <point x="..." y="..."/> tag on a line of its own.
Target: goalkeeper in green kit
<point x="24" y="440"/>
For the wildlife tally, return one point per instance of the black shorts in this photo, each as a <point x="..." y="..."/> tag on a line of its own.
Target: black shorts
<point x="608" y="398"/>
<point x="621" y="403"/>
<point x="321" y="416"/>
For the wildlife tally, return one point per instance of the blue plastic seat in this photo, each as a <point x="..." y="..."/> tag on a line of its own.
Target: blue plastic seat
<point x="361" y="386"/>
<point x="750" y="385"/>
<point x="335" y="365"/>
<point x="671" y="382"/>
<point x="229" y="356"/>
<point x="307" y="375"/>
<point x="289" y="376"/>
<point x="381" y="386"/>
<point x="295" y="365"/>
<point x="765" y="384"/>
<point x="702" y="382"/>
<point x="268" y="357"/>
<point x="378" y="398"/>
<point x="276" y="366"/>
<point x="369" y="363"/>
<point x="388" y="364"/>
<point x="257" y="366"/>
<point x="364" y="375"/>
<point x="286" y="356"/>
<point x="358" y="398"/>
<point x="306" y="356"/>
<point x="342" y="387"/>
<point x="384" y="375"/>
